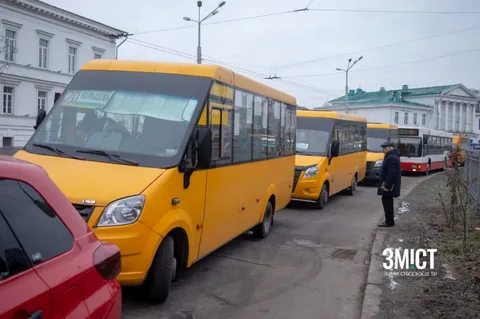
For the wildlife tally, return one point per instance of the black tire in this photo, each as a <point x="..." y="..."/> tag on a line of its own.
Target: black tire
<point x="428" y="170"/>
<point x="353" y="188"/>
<point x="262" y="230"/>
<point x="323" y="197"/>
<point x="159" y="280"/>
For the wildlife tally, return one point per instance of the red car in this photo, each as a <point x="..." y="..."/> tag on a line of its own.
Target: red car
<point x="51" y="264"/>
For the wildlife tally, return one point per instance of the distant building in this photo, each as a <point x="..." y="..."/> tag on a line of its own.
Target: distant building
<point x="41" y="48"/>
<point x="450" y="108"/>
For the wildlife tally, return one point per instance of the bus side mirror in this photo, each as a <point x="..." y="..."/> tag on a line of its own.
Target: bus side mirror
<point x="203" y="139"/>
<point x="40" y="117"/>
<point x="335" y="149"/>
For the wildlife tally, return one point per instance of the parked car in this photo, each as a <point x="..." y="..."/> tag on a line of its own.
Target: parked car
<point x="51" y="264"/>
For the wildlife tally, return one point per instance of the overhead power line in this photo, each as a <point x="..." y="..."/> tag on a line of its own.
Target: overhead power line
<point x="315" y="10"/>
<point x="378" y="47"/>
<point x="219" y="22"/>
<point x="388" y="65"/>
<point x="226" y="64"/>
<point x="395" y="11"/>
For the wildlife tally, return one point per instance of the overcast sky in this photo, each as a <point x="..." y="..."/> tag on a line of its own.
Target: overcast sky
<point x="270" y="45"/>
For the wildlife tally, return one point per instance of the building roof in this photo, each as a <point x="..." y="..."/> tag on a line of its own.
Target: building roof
<point x="382" y="96"/>
<point x="44" y="9"/>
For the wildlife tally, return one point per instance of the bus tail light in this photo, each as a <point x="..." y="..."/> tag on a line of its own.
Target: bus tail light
<point x="107" y="261"/>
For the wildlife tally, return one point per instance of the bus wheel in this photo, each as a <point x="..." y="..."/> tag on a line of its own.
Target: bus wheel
<point x="263" y="229"/>
<point x="428" y="170"/>
<point x="161" y="273"/>
<point x="323" y="198"/>
<point x="353" y="188"/>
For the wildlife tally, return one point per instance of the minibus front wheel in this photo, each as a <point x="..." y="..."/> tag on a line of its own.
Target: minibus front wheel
<point x="323" y="198"/>
<point x="161" y="272"/>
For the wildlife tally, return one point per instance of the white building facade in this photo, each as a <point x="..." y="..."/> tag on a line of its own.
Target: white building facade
<point x="42" y="48"/>
<point x="450" y="108"/>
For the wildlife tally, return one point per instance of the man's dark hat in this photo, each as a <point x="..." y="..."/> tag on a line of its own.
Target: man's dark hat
<point x="387" y="144"/>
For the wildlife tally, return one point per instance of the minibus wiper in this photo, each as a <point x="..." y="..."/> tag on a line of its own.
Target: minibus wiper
<point x="111" y="156"/>
<point x="58" y="151"/>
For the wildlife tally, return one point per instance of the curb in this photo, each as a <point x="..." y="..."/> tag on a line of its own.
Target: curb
<point x="373" y="288"/>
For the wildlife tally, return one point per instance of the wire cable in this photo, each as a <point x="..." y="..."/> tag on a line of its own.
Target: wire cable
<point x="218" y="22"/>
<point x="379" y="47"/>
<point x="388" y="65"/>
<point x="226" y="64"/>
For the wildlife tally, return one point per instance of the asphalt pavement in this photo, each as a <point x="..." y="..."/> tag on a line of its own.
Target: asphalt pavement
<point x="313" y="265"/>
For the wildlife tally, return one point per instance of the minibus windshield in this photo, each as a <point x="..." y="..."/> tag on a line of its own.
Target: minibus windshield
<point x="408" y="146"/>
<point x="375" y="138"/>
<point x="145" y="118"/>
<point x="313" y="135"/>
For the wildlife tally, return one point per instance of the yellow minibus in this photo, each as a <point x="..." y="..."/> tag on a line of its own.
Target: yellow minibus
<point x="167" y="160"/>
<point x="331" y="151"/>
<point x="377" y="133"/>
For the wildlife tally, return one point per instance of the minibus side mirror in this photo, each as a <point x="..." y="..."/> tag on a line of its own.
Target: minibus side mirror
<point x="203" y="138"/>
<point x="200" y="153"/>
<point x="40" y="117"/>
<point x="335" y="149"/>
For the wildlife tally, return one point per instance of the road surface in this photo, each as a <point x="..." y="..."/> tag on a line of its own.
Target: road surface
<point x="312" y="266"/>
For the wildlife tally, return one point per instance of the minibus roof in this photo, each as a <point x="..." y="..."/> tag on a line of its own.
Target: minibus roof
<point x="215" y="72"/>
<point x="382" y="126"/>
<point x="331" y="115"/>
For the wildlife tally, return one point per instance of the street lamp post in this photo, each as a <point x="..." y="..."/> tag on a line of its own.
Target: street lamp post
<point x="199" y="22"/>
<point x="346" y="77"/>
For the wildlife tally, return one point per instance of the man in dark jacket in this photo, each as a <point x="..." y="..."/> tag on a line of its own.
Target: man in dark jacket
<point x="390" y="182"/>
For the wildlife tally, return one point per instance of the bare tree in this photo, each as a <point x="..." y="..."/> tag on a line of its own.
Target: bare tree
<point x="5" y="48"/>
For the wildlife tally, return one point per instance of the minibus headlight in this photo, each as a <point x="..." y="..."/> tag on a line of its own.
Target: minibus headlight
<point x="122" y="212"/>
<point x="378" y="163"/>
<point x="311" y="172"/>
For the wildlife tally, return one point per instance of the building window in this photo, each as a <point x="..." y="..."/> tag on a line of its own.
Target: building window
<point x="7" y="100"/>
<point x="10" y="45"/>
<point x="405" y="119"/>
<point x="424" y="119"/>
<point x="415" y="119"/>
<point x="72" y="60"/>
<point x="7" y="141"/>
<point x="43" y="53"/>
<point x="42" y="100"/>
<point x="396" y="118"/>
<point x="97" y="56"/>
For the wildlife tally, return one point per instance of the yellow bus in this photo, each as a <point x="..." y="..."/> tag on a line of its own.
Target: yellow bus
<point x="462" y="143"/>
<point x="331" y="150"/>
<point x="162" y="159"/>
<point x="377" y="133"/>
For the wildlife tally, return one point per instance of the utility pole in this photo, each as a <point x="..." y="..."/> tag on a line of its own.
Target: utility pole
<point x="199" y="23"/>
<point x="346" y="77"/>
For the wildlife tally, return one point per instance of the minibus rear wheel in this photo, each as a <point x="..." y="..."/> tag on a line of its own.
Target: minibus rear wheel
<point x="161" y="272"/>
<point x="263" y="229"/>
<point x="353" y="187"/>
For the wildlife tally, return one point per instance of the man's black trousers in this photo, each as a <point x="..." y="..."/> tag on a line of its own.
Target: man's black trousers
<point x="388" y="209"/>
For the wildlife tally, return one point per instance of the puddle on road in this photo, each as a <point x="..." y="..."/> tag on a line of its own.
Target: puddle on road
<point x="306" y="243"/>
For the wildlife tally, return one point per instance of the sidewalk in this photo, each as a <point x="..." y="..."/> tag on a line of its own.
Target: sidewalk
<point x="454" y="292"/>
